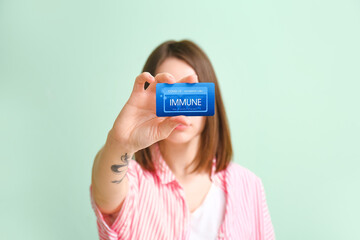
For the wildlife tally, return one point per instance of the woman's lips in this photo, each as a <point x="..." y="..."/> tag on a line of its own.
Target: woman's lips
<point x="181" y="127"/>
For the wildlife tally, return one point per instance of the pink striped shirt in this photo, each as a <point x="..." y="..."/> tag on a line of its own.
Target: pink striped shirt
<point x="155" y="206"/>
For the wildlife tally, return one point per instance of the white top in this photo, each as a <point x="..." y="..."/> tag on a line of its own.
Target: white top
<point x="206" y="219"/>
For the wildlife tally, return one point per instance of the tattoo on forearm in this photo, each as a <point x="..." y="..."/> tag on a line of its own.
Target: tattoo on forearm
<point x="118" y="181"/>
<point x="116" y="168"/>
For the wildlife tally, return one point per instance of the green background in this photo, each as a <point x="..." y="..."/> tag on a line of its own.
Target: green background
<point x="289" y="75"/>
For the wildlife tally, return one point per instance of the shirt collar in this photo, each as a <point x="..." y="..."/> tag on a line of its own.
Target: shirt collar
<point x="163" y="171"/>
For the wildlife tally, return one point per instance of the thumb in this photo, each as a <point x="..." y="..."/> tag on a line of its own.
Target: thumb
<point x="169" y="124"/>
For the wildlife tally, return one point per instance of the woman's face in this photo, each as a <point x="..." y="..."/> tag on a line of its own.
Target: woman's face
<point x="182" y="134"/>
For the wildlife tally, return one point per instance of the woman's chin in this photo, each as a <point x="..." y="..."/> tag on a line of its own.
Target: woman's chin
<point x="178" y="136"/>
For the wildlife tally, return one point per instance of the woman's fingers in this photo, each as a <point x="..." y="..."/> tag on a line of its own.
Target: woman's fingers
<point x="165" y="78"/>
<point x="162" y="78"/>
<point x="168" y="78"/>
<point x="140" y="81"/>
<point x="189" y="79"/>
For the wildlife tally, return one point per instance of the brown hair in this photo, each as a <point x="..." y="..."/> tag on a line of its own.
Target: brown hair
<point x="215" y="138"/>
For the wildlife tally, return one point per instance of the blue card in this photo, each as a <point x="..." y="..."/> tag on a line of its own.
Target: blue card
<point x="188" y="99"/>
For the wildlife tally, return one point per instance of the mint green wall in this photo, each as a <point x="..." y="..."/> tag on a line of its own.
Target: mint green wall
<point x="288" y="71"/>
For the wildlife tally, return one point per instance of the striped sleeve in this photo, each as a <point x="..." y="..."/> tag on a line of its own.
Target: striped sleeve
<point x="114" y="226"/>
<point x="268" y="230"/>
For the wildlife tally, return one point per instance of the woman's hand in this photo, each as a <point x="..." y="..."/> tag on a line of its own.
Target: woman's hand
<point x="137" y="125"/>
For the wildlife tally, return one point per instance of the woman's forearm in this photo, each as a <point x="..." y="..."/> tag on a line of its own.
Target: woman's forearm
<point x="109" y="180"/>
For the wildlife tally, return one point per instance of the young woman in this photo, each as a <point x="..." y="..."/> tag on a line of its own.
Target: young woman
<point x="182" y="183"/>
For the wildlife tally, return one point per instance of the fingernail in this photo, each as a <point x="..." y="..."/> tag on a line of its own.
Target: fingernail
<point x="171" y="77"/>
